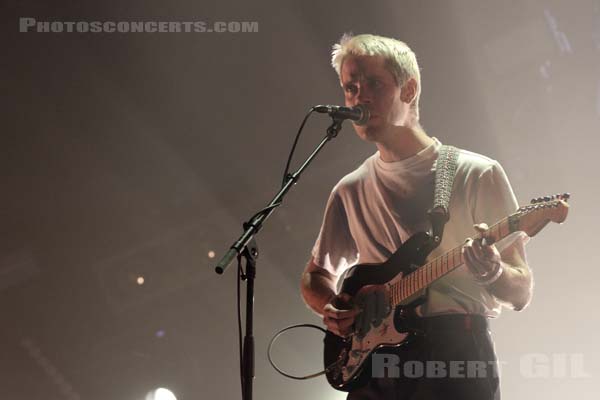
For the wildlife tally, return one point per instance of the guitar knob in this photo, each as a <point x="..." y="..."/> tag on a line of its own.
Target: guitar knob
<point x="547" y="198"/>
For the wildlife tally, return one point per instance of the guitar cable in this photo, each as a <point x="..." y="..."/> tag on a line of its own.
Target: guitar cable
<point x="285" y="373"/>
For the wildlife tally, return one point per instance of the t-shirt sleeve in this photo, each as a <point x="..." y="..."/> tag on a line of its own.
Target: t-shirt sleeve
<point x="335" y="249"/>
<point x="495" y="200"/>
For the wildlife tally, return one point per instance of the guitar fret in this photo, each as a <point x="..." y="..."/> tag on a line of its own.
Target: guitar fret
<point x="444" y="263"/>
<point x="416" y="287"/>
<point x="417" y="279"/>
<point x="431" y="273"/>
<point x="402" y="289"/>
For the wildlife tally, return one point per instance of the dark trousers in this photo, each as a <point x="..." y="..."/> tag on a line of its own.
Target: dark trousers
<point x="452" y="358"/>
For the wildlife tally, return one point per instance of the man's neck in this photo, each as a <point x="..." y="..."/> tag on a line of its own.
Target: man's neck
<point x="403" y="143"/>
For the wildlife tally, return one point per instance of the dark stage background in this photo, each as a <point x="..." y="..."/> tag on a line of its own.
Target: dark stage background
<point x="128" y="155"/>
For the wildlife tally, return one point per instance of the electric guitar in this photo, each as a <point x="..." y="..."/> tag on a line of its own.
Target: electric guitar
<point x="402" y="280"/>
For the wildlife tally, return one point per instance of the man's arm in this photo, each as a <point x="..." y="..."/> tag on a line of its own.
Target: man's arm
<point x="495" y="199"/>
<point x="318" y="288"/>
<point x="515" y="286"/>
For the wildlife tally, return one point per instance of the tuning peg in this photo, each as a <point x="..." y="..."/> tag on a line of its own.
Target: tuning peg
<point x="566" y="196"/>
<point x="547" y="198"/>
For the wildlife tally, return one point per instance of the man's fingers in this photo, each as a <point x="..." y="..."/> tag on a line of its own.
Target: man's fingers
<point x="341" y="314"/>
<point x="483" y="251"/>
<point x="477" y="248"/>
<point x="341" y="327"/>
<point x="481" y="228"/>
<point x="471" y="260"/>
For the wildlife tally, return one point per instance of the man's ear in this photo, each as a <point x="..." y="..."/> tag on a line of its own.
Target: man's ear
<point x="409" y="91"/>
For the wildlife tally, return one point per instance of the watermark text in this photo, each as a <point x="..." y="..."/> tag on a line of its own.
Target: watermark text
<point x="28" y="25"/>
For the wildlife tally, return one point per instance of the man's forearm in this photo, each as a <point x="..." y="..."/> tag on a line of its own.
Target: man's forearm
<point x="514" y="286"/>
<point x="317" y="290"/>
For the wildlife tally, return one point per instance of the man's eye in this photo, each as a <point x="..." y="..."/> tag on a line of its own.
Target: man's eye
<point x="350" y="89"/>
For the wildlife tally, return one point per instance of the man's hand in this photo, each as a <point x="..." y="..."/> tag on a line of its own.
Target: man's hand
<point x="482" y="257"/>
<point x="338" y="315"/>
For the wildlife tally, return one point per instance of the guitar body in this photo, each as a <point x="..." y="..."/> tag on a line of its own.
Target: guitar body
<point x="348" y="360"/>
<point x="386" y="294"/>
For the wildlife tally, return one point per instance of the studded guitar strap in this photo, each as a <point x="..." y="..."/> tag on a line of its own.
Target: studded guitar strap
<point x="445" y="170"/>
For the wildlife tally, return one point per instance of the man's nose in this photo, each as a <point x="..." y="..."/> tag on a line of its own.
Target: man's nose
<point x="364" y="94"/>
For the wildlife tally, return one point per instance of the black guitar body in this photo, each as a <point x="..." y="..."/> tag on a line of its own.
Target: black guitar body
<point x="405" y="260"/>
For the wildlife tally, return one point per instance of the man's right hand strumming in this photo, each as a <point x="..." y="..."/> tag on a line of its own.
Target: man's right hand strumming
<point x="339" y="314"/>
<point x="318" y="289"/>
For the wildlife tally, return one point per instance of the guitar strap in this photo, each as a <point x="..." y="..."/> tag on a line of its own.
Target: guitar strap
<point x="445" y="170"/>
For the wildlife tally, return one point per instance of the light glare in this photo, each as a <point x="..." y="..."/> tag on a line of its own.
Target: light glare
<point x="161" y="394"/>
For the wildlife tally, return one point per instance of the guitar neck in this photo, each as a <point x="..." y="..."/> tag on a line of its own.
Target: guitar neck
<point x="430" y="272"/>
<point x="530" y="219"/>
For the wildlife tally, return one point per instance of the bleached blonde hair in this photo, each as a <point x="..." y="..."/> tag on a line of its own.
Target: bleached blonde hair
<point x="399" y="58"/>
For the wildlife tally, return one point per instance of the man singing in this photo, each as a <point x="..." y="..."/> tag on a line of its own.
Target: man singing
<point x="374" y="209"/>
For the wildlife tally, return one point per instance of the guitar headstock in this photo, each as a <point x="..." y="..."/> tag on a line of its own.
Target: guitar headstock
<point x="535" y="216"/>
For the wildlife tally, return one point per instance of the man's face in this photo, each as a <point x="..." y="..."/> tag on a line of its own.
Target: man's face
<point x="366" y="80"/>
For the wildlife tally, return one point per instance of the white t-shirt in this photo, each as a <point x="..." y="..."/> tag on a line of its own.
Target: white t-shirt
<point x="377" y="207"/>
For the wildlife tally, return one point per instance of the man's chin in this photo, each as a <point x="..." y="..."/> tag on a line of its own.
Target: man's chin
<point x="367" y="133"/>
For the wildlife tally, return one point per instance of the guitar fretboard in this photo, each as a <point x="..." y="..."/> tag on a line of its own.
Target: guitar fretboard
<point x="442" y="265"/>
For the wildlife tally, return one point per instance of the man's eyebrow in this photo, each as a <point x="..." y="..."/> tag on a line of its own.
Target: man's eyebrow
<point x="353" y="78"/>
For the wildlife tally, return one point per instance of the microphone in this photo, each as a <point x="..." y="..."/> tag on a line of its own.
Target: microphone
<point x="359" y="114"/>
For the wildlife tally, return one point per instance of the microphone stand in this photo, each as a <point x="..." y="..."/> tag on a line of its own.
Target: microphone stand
<point x="247" y="248"/>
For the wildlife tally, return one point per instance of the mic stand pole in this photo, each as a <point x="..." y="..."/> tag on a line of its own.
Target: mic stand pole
<point x="241" y="248"/>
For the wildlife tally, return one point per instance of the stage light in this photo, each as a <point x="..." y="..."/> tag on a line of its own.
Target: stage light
<point x="161" y="394"/>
